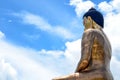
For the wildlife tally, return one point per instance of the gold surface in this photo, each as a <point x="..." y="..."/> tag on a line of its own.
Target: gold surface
<point x="95" y="55"/>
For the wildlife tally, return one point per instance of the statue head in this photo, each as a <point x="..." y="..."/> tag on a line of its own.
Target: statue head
<point x="95" y="15"/>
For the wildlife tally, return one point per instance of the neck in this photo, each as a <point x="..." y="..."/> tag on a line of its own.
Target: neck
<point x="87" y="29"/>
<point x="96" y="26"/>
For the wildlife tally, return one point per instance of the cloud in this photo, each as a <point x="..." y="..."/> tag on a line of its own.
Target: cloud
<point x="106" y="7"/>
<point x="115" y="67"/>
<point x="113" y="5"/>
<point x="112" y="28"/>
<point x="69" y="57"/>
<point x="55" y="53"/>
<point x="2" y="35"/>
<point x="19" y="63"/>
<point x="116" y="4"/>
<point x="81" y="6"/>
<point x="7" y="71"/>
<point x="42" y="24"/>
<point x="73" y="49"/>
<point x="111" y="22"/>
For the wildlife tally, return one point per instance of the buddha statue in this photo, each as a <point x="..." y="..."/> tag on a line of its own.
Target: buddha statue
<point x="96" y="51"/>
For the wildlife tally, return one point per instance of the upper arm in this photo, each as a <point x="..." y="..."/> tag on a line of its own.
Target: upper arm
<point x="86" y="45"/>
<point x="87" y="42"/>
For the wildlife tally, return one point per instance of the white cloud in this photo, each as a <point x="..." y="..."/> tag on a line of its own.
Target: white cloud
<point x="81" y="6"/>
<point x="38" y="21"/>
<point x="69" y="57"/>
<point x="112" y="25"/>
<point x="62" y="32"/>
<point x="18" y="63"/>
<point x="112" y="28"/>
<point x="55" y="53"/>
<point x="21" y="63"/>
<point x="106" y="7"/>
<point x="116" y="5"/>
<point x="7" y="71"/>
<point x="73" y="50"/>
<point x="2" y="35"/>
<point x="43" y="25"/>
<point x="115" y="68"/>
<point x="113" y="5"/>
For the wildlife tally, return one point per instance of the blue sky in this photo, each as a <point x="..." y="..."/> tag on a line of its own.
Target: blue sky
<point x="55" y="13"/>
<point x="39" y="39"/>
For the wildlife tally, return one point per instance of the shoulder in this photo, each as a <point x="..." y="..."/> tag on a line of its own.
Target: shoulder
<point x="93" y="32"/>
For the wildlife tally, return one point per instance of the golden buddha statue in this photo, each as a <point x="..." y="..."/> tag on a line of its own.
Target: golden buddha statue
<point x="95" y="51"/>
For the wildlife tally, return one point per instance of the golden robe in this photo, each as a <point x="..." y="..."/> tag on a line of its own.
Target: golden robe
<point x="96" y="49"/>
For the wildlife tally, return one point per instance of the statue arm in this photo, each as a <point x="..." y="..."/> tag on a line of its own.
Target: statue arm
<point x="86" y="47"/>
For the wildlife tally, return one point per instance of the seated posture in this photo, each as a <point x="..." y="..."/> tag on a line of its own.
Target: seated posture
<point x="95" y="51"/>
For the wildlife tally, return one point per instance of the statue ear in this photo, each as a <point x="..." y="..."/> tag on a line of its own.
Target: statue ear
<point x="92" y="22"/>
<point x="89" y="18"/>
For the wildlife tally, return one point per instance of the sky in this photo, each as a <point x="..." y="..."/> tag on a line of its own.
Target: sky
<point x="41" y="39"/>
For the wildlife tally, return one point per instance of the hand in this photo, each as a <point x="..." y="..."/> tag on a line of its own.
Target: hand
<point x="82" y="66"/>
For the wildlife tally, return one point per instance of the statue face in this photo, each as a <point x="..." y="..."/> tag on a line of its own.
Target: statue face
<point x="87" y="21"/>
